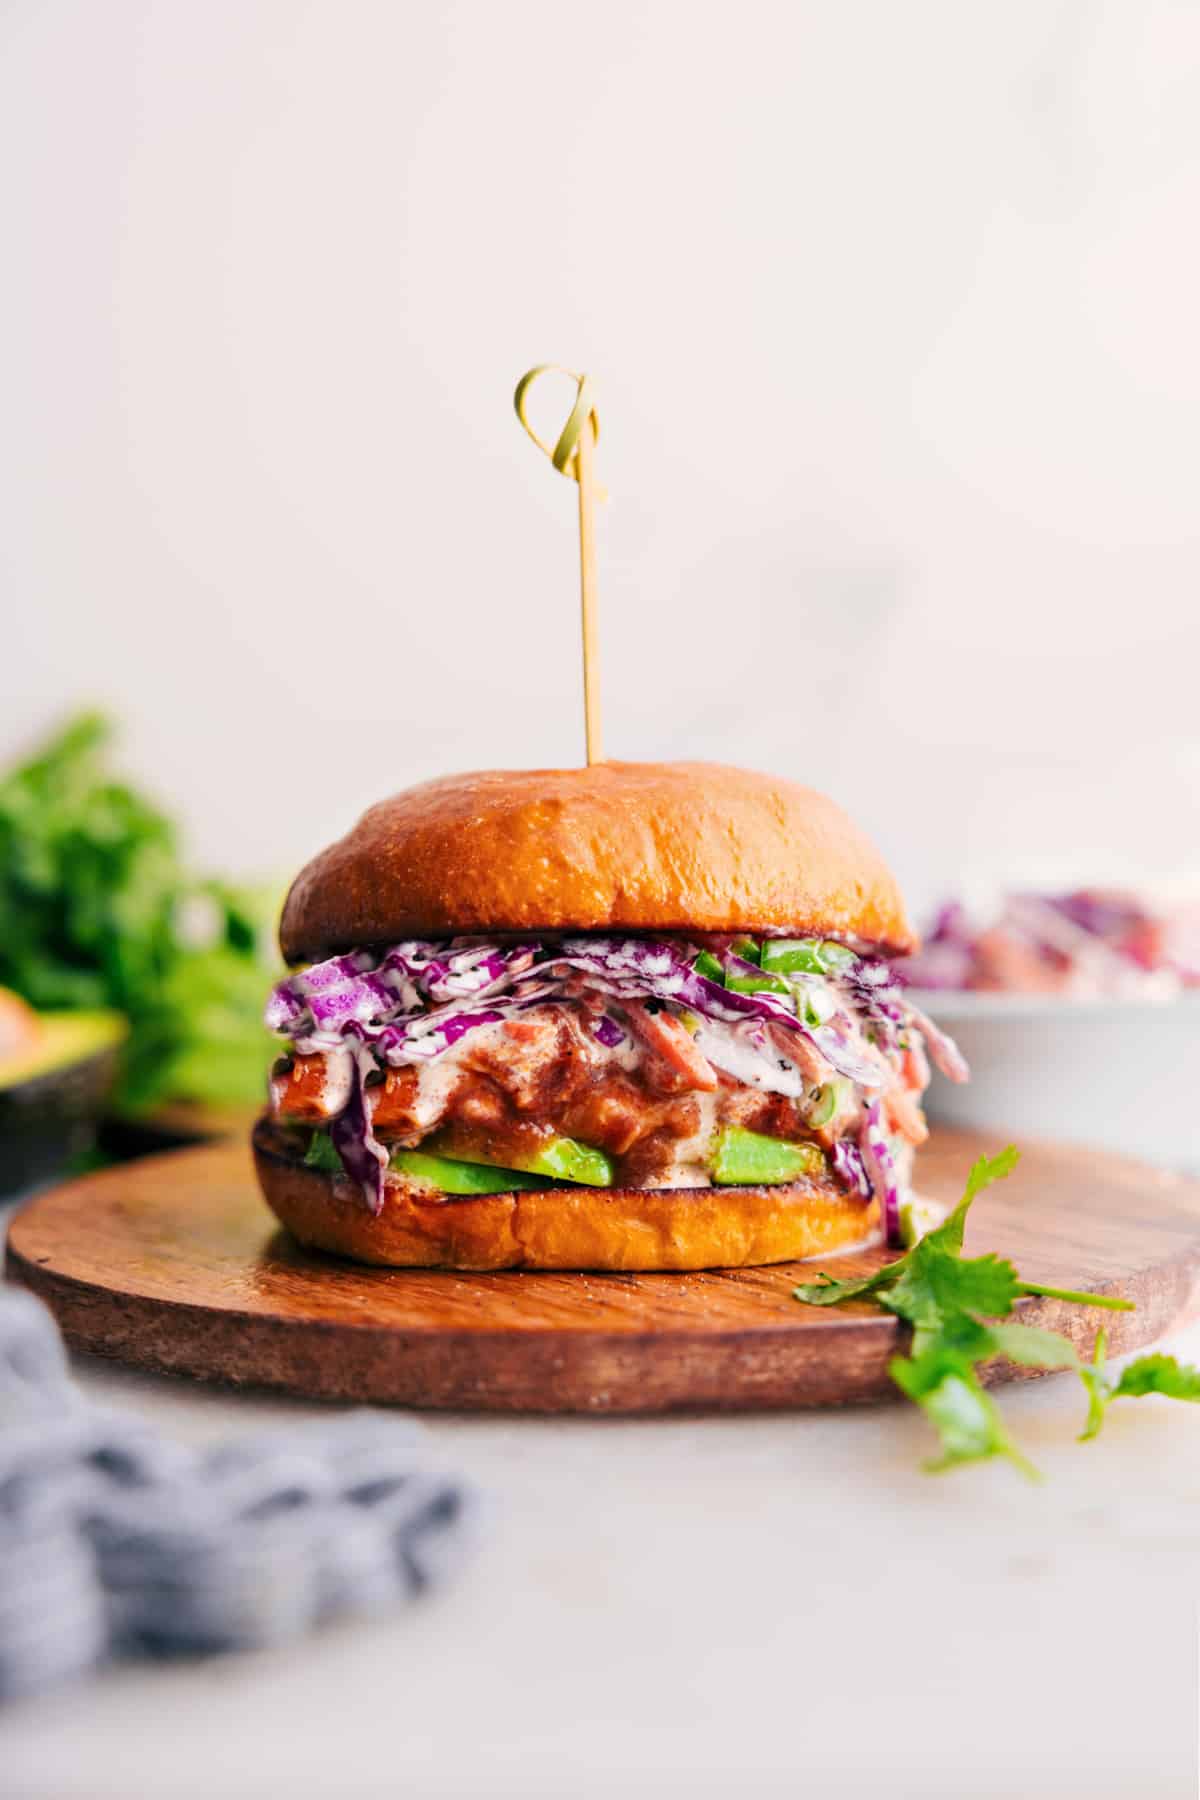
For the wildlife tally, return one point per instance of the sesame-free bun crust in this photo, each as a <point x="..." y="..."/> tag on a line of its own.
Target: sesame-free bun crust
<point x="672" y="847"/>
<point x="559" y="1228"/>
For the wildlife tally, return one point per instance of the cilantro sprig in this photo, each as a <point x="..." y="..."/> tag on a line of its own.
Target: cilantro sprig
<point x="1153" y="1374"/>
<point x="959" y="1309"/>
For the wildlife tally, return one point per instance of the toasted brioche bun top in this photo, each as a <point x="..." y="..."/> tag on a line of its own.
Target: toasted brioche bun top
<point x="678" y="847"/>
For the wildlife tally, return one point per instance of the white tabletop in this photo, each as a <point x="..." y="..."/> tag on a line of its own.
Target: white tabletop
<point x="718" y="1606"/>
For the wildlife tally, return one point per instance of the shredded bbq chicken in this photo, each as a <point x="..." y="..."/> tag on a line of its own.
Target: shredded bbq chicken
<point x="652" y="1106"/>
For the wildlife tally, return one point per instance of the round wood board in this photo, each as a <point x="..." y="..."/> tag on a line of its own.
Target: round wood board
<point x="174" y="1264"/>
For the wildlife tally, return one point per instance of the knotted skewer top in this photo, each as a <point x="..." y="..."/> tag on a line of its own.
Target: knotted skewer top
<point x="565" y="453"/>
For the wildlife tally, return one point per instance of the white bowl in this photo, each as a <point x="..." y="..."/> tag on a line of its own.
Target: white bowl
<point x="1121" y="1074"/>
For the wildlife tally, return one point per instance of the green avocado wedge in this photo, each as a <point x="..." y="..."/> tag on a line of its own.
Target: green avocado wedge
<point x="53" y="1092"/>
<point x="748" y="1159"/>
<point x="64" y="1040"/>
<point x="447" y="1173"/>
<point x="566" y="1159"/>
<point x="322" y="1155"/>
<point x="454" y="1177"/>
<point x="559" y="1159"/>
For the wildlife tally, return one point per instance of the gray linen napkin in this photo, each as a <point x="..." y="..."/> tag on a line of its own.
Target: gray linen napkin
<point x="115" y="1541"/>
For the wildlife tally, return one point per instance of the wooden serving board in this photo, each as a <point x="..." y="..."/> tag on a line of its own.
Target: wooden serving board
<point x="174" y="1264"/>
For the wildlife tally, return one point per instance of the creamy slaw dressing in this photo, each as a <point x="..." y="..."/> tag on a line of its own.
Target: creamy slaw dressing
<point x="745" y="1062"/>
<point x="687" y="1164"/>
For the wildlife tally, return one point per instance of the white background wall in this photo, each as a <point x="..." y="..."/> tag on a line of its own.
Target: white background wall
<point x="894" y="311"/>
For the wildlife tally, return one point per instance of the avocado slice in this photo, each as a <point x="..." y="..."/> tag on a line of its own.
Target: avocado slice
<point x="558" y="1158"/>
<point x="322" y="1155"/>
<point x="454" y="1177"/>
<point x="562" y="1159"/>
<point x="566" y="1159"/>
<point x="63" y="1039"/>
<point x="748" y="1159"/>
<point x="52" y="1093"/>
<point x="448" y="1173"/>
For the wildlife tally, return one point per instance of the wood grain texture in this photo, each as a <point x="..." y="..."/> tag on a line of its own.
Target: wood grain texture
<point x="174" y="1264"/>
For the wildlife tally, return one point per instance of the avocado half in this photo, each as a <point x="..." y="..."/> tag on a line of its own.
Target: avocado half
<point x="53" y="1092"/>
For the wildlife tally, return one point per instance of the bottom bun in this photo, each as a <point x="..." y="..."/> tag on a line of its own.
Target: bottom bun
<point x="559" y="1228"/>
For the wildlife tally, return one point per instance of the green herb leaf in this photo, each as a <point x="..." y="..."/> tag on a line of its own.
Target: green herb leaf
<point x="944" y="1384"/>
<point x="1151" y="1374"/>
<point x="825" y="1291"/>
<point x="935" y="1285"/>
<point x="1031" y="1346"/>
<point x="1099" y="1393"/>
<point x="1112" y="1302"/>
<point x="944" y="1240"/>
<point x="984" y="1171"/>
<point x="942" y="1376"/>
<point x="1158" y="1374"/>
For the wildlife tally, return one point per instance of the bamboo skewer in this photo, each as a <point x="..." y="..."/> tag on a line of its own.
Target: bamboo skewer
<point x="572" y="456"/>
<point x="588" y="596"/>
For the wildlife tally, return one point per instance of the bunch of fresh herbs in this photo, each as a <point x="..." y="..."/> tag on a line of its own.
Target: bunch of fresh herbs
<point x="97" y="909"/>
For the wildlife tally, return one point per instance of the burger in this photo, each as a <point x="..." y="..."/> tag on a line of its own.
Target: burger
<point x="631" y="1016"/>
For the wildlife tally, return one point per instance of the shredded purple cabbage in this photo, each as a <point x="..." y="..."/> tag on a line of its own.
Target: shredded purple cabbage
<point x="456" y="974"/>
<point x="337" y="969"/>
<point x="609" y="1033"/>
<point x="1103" y="915"/>
<point x="642" y="966"/>
<point x="881" y="1169"/>
<point x="363" y="1156"/>
<point x="286" y="1012"/>
<point x="1090" y="942"/>
<point x="942" y="1047"/>
<point x="872" y="984"/>
<point x="848" y="1166"/>
<point x="361" y="998"/>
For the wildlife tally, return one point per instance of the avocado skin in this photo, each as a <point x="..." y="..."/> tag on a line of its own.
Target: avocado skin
<point x="50" y="1102"/>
